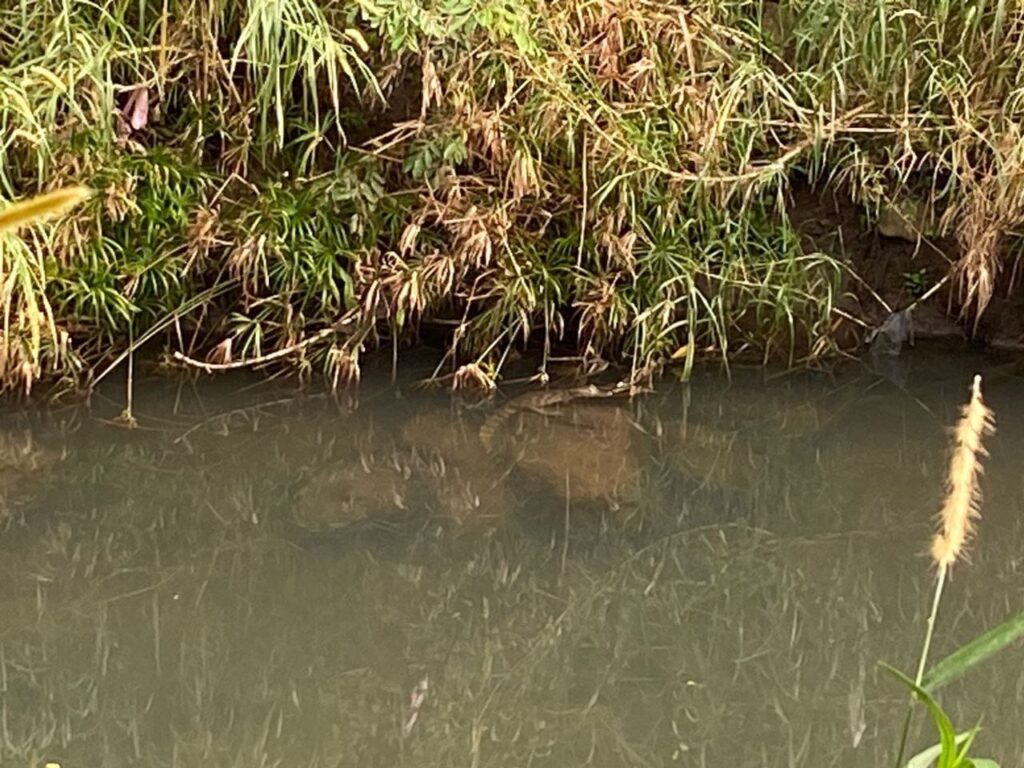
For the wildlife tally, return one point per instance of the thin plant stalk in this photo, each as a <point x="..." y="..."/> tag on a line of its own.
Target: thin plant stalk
<point x="923" y="662"/>
<point x="128" y="415"/>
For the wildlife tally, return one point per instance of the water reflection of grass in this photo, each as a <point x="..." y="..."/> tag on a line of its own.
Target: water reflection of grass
<point x="254" y="654"/>
<point x="157" y="608"/>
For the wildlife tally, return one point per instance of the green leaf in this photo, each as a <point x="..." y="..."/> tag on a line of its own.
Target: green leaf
<point x="975" y="652"/>
<point x="984" y="762"/>
<point x="926" y="758"/>
<point x="947" y="736"/>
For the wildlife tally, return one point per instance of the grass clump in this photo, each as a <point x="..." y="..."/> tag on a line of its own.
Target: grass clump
<point x="307" y="178"/>
<point x="24" y="288"/>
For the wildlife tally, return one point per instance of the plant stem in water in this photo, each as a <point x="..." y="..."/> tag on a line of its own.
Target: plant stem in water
<point x="931" y="626"/>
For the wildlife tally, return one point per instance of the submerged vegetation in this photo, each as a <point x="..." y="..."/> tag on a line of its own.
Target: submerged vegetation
<point x="296" y="181"/>
<point x="256" y="580"/>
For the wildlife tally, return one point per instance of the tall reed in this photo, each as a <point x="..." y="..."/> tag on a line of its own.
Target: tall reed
<point x="960" y="508"/>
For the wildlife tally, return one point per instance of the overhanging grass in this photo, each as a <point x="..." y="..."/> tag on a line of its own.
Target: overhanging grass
<point x="612" y="177"/>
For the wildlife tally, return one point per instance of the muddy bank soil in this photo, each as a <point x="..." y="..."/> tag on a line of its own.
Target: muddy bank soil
<point x="895" y="268"/>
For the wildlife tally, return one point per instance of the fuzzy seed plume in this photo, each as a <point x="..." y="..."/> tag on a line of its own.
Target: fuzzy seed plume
<point x="42" y="207"/>
<point x="963" y="494"/>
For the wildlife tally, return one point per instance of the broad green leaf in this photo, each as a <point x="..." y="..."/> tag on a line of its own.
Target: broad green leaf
<point x="926" y="758"/>
<point x="984" y="762"/>
<point x="975" y="652"/>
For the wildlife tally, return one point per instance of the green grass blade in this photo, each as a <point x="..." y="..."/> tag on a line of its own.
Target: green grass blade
<point x="947" y="736"/>
<point x="975" y="652"/>
<point x="927" y="757"/>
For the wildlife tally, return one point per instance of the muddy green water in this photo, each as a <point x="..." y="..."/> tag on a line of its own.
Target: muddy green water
<point x="708" y="576"/>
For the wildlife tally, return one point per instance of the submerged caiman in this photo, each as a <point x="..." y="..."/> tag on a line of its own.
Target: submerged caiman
<point x="542" y="402"/>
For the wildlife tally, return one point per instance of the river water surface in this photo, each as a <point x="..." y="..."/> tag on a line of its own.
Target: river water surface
<point x="705" y="576"/>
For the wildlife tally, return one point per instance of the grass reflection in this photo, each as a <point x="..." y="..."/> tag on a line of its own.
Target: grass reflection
<point x="274" y="592"/>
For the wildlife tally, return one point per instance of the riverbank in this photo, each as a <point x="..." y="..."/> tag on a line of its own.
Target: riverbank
<point x="293" y="185"/>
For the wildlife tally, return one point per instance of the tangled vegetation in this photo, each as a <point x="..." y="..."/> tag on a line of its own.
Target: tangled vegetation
<point x="297" y="181"/>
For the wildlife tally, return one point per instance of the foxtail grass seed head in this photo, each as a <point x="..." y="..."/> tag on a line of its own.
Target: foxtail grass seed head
<point x="963" y="494"/>
<point x="42" y="207"/>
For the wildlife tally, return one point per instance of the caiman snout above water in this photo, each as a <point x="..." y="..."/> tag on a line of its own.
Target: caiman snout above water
<point x="541" y="402"/>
